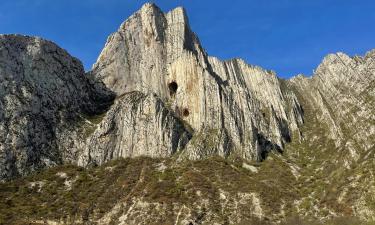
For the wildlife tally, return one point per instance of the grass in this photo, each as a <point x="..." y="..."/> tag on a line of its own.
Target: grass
<point x="96" y="191"/>
<point x="95" y="119"/>
<point x="89" y="123"/>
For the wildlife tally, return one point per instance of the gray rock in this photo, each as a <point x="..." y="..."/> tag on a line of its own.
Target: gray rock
<point x="243" y="105"/>
<point x="341" y="94"/>
<point x="43" y="90"/>
<point x="136" y="125"/>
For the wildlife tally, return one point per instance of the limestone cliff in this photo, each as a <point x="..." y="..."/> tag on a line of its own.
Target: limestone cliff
<point x="136" y="125"/>
<point x="341" y="94"/>
<point x="189" y="103"/>
<point x="234" y="108"/>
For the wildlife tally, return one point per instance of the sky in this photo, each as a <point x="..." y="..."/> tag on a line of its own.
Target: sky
<point x="287" y="36"/>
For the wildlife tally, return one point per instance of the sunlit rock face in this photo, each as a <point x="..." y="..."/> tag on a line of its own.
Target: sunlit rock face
<point x="136" y="125"/>
<point x="341" y="94"/>
<point x="234" y="108"/>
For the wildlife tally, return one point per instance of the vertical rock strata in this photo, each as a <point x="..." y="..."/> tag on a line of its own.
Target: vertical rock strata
<point x="341" y="96"/>
<point x="136" y="125"/>
<point x="233" y="108"/>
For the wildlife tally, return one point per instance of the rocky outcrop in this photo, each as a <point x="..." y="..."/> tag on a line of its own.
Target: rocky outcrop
<point x="240" y="107"/>
<point x="341" y="94"/>
<point x="43" y="91"/>
<point x="136" y="125"/>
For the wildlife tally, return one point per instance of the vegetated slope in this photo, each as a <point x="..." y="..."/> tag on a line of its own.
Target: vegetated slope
<point x="335" y="156"/>
<point x="166" y="191"/>
<point x="150" y="191"/>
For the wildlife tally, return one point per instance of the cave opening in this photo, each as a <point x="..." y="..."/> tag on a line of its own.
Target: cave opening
<point x="186" y="112"/>
<point x="172" y="88"/>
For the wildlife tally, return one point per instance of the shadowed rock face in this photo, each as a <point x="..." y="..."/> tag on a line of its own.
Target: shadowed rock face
<point x="43" y="90"/>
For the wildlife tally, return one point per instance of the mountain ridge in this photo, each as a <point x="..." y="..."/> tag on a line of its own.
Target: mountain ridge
<point x="300" y="146"/>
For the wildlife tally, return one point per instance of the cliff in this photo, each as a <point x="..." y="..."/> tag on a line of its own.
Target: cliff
<point x="233" y="108"/>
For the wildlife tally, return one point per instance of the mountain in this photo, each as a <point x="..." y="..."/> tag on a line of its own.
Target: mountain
<point x="43" y="95"/>
<point x="159" y="132"/>
<point x="224" y="103"/>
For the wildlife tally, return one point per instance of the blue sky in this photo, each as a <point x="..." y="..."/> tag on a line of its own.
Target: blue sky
<point x="287" y="36"/>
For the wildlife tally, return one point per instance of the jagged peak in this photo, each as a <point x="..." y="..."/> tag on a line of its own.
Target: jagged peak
<point x="30" y="40"/>
<point x="333" y="57"/>
<point x="23" y="37"/>
<point x="178" y="11"/>
<point x="341" y="57"/>
<point x="148" y="6"/>
<point x="245" y="64"/>
<point x="36" y="41"/>
<point x="151" y="9"/>
<point x="370" y="54"/>
<point x="13" y="35"/>
<point x="299" y="76"/>
<point x="178" y="14"/>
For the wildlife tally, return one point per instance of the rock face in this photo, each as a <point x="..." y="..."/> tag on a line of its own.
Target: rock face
<point x="136" y="125"/>
<point x="341" y="94"/>
<point x="241" y="107"/>
<point x="43" y="91"/>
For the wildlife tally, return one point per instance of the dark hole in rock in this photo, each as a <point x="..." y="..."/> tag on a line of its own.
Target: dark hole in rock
<point x="172" y="88"/>
<point x="185" y="112"/>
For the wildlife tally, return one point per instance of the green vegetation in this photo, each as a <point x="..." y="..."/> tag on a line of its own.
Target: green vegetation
<point x="71" y="193"/>
<point x="206" y="139"/>
<point x="95" y="191"/>
<point x="88" y="123"/>
<point x="330" y="180"/>
<point x="334" y="221"/>
<point x="95" y="119"/>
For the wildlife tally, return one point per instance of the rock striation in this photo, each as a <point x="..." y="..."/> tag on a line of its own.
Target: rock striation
<point x="341" y="94"/>
<point x="136" y="125"/>
<point x="234" y="108"/>
<point x="43" y="92"/>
